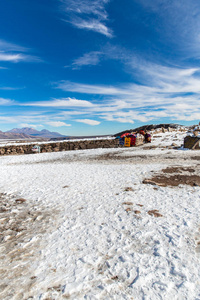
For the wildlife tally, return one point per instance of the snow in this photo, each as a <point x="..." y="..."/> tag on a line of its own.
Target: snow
<point x="77" y="234"/>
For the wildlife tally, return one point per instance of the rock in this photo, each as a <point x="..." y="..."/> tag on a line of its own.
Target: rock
<point x="2" y="151"/>
<point x="164" y="130"/>
<point x="148" y="181"/>
<point x="154" y="213"/>
<point x="2" y="209"/>
<point x="20" y="200"/>
<point x="128" y="189"/>
<point x="128" y="209"/>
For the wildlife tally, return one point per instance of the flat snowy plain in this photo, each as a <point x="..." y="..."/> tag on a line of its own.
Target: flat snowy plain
<point x="83" y="225"/>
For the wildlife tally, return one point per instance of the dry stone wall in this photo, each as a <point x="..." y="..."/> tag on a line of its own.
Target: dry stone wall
<point x="59" y="146"/>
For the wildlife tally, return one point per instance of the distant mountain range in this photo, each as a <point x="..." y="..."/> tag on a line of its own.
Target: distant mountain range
<point x="13" y="136"/>
<point x="29" y="133"/>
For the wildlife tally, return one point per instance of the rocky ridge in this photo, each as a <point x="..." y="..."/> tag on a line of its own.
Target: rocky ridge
<point x="33" y="133"/>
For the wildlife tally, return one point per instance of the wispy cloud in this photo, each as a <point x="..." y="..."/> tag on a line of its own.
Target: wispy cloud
<point x="91" y="89"/>
<point x="95" y="7"/>
<point x="164" y="92"/>
<point x="30" y="119"/>
<point x="159" y="80"/>
<point x="86" y="14"/>
<point x="13" y="53"/>
<point x="31" y="125"/>
<point x="88" y="59"/>
<point x="17" y="58"/>
<point x="180" y="23"/>
<point x="4" y="101"/>
<point x="88" y="121"/>
<point x="163" y="95"/>
<point x="94" y="25"/>
<point x="129" y="116"/>
<point x="11" y="57"/>
<point x="6" y="46"/>
<point x="9" y="88"/>
<point x="58" y="124"/>
<point x="106" y="52"/>
<point x="64" y="102"/>
<point x="7" y="119"/>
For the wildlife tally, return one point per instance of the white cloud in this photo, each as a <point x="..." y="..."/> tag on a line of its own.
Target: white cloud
<point x="88" y="59"/>
<point x="88" y="121"/>
<point x="172" y="93"/>
<point x="9" y="88"/>
<point x="186" y="117"/>
<point x="161" y="82"/>
<point x="180" y="23"/>
<point x="107" y="52"/>
<point x="70" y="113"/>
<point x="31" y="119"/>
<point x="113" y="118"/>
<point x="11" y="57"/>
<point x="6" y="46"/>
<point x="86" y="14"/>
<point x="13" y="53"/>
<point x="7" y="119"/>
<point x="30" y="125"/>
<point x="57" y="124"/>
<point x="95" y="7"/>
<point x="93" y="89"/>
<point x="94" y="25"/>
<point x="164" y="92"/>
<point x="125" y="116"/>
<point x="4" y="101"/>
<point x="6" y="57"/>
<point x="64" y="102"/>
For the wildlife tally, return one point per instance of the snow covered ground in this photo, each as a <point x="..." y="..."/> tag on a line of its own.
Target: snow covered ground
<point x="82" y="225"/>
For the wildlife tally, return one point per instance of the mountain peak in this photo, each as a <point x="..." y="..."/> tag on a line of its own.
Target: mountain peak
<point x="35" y="133"/>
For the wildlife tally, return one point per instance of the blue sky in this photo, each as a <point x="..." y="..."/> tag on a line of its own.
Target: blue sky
<point x="87" y="67"/>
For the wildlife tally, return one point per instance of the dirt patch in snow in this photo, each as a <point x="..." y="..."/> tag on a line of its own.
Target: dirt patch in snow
<point x="178" y="170"/>
<point x="174" y="176"/>
<point x="196" y="157"/>
<point x="22" y="229"/>
<point x="117" y="157"/>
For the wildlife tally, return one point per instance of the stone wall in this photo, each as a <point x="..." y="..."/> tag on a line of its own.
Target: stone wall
<point x="59" y="146"/>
